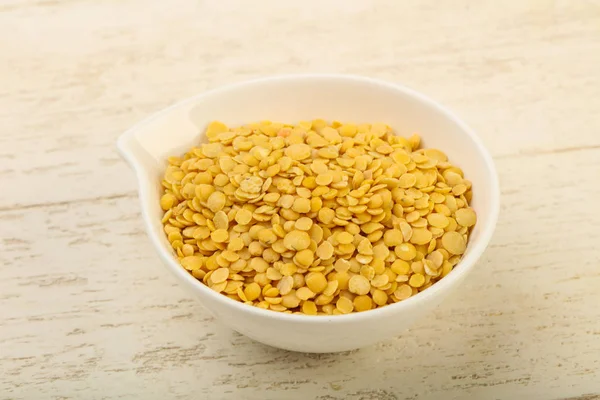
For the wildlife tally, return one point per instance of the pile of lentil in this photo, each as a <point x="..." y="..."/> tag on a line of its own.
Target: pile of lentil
<point x="316" y="218"/>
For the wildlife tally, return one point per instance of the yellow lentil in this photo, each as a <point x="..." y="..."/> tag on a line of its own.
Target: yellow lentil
<point x="267" y="236"/>
<point x="421" y="236"/>
<point x="301" y="205"/>
<point x="345" y="238"/>
<point x="316" y="282"/>
<point x="220" y="275"/>
<point x="309" y="308"/>
<point x="454" y="242"/>
<point x="304" y="258"/>
<point x="296" y="240"/>
<point x="303" y="223"/>
<point x="380" y="297"/>
<point x="344" y="305"/>
<point x="466" y="217"/>
<point x="416" y="280"/>
<point x="406" y="251"/>
<point x="219" y="236"/>
<point x="325" y="251"/>
<point x="243" y="217"/>
<point x="403" y="292"/>
<point x="167" y="201"/>
<point x="316" y="218"/>
<point x="362" y="303"/>
<point x="304" y="293"/>
<point x="359" y="284"/>
<point x="438" y="220"/>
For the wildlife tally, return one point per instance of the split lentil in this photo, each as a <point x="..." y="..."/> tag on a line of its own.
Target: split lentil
<point x="313" y="218"/>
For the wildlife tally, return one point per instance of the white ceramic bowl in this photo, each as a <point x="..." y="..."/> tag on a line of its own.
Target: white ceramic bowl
<point x="290" y="99"/>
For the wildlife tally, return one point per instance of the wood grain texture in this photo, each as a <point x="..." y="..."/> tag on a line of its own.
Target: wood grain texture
<point x="86" y="309"/>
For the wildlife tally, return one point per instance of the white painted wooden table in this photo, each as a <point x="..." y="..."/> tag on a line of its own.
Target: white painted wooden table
<point x="88" y="312"/>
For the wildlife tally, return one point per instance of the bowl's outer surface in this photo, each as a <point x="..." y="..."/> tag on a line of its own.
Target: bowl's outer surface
<point x="291" y="99"/>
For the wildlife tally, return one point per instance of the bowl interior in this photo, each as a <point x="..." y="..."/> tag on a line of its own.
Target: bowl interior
<point x="292" y="99"/>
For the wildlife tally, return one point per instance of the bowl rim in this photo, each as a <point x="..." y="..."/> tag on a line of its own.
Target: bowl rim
<point x="126" y="139"/>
